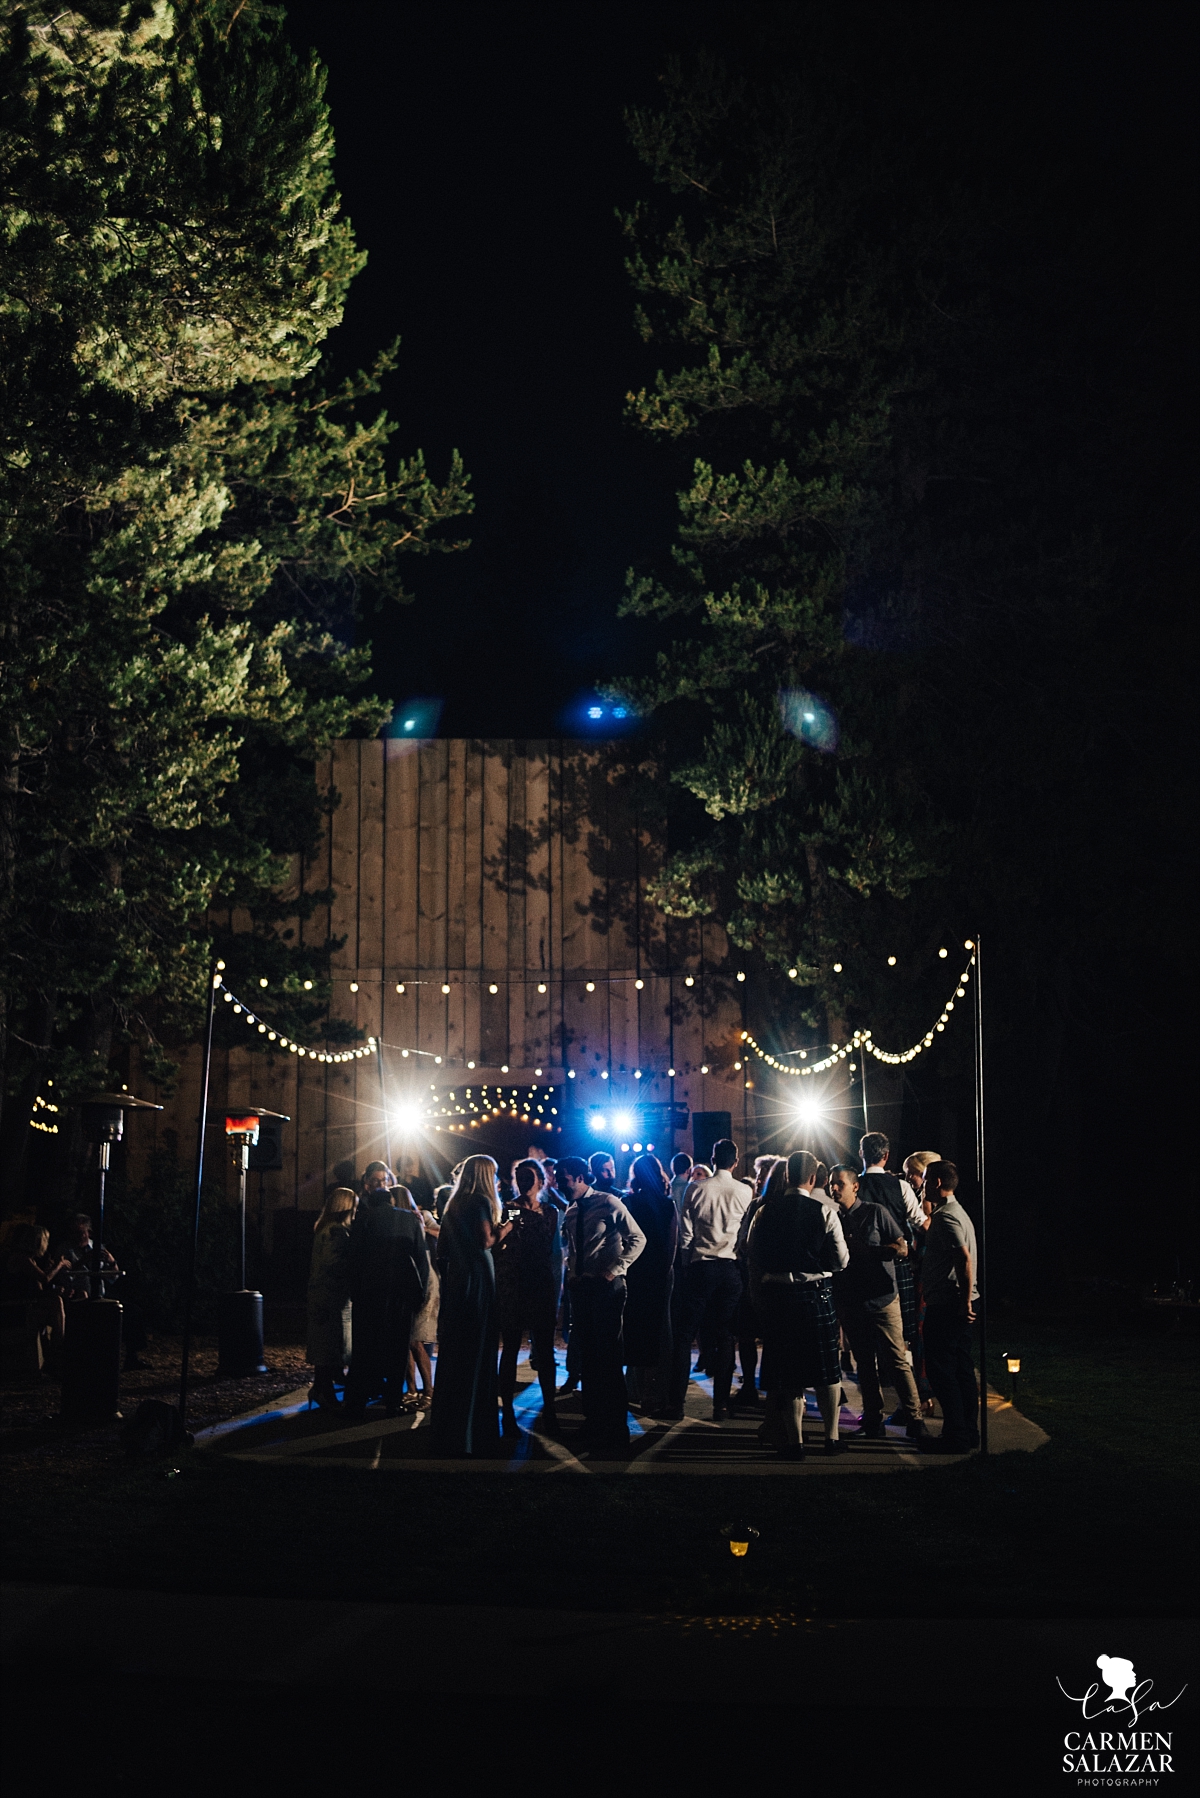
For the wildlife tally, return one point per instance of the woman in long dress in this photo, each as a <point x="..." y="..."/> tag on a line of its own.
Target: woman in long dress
<point x="529" y="1271"/>
<point x="464" y="1418"/>
<point x="329" y="1296"/>
<point x="646" y="1326"/>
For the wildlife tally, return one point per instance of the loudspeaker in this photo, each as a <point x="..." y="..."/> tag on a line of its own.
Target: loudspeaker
<point x="709" y="1127"/>
<point x="267" y="1154"/>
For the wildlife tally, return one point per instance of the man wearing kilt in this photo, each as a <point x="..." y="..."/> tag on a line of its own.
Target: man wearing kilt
<point x="794" y="1248"/>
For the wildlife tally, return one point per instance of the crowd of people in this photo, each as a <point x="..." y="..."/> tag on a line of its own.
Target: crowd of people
<point x="800" y="1274"/>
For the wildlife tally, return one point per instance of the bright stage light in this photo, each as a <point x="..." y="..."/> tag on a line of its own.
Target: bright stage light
<point x="408" y="1117"/>
<point x="623" y="1121"/>
<point x="598" y="1123"/>
<point x="809" y="1112"/>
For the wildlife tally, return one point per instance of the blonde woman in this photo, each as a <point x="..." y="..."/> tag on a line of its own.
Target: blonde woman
<point x="329" y="1296"/>
<point x="914" y="1173"/>
<point x="464" y="1419"/>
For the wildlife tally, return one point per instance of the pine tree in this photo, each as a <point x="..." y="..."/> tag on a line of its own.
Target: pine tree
<point x="192" y="517"/>
<point x="790" y="313"/>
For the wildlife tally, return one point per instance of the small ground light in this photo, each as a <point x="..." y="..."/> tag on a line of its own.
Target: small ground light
<point x="1013" y="1364"/>
<point x="739" y="1537"/>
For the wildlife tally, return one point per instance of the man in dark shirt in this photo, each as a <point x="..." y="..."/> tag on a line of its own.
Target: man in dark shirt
<point x="869" y="1309"/>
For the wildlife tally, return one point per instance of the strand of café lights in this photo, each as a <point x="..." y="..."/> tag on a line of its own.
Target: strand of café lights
<point x="488" y="1108"/>
<point x="862" y="1038"/>
<point x="277" y="1036"/>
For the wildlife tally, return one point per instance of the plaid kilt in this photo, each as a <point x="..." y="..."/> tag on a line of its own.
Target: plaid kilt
<point x="800" y="1337"/>
<point x="906" y="1289"/>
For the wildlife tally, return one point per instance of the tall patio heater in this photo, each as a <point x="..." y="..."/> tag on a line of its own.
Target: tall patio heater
<point x="92" y="1348"/>
<point x="240" y="1321"/>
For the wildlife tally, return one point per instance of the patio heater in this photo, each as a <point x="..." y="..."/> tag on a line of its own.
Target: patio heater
<point x="92" y="1348"/>
<point x="240" y="1321"/>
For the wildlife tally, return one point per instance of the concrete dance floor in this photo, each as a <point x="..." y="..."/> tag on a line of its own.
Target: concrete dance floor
<point x="288" y="1431"/>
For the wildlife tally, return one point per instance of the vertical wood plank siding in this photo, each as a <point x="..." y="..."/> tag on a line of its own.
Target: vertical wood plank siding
<point x="476" y="864"/>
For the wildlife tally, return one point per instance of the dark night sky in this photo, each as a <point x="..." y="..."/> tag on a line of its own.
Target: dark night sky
<point x="480" y="155"/>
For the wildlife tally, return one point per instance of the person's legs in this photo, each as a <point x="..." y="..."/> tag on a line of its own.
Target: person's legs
<point x="420" y="1355"/>
<point x="573" y="1341"/>
<point x="861" y="1336"/>
<point x="945" y="1332"/>
<point x="746" y="1330"/>
<point x="691" y="1311"/>
<point x="599" y="1306"/>
<point x="893" y="1358"/>
<point x="828" y="1403"/>
<point x="727" y="1290"/>
<point x="510" y="1339"/>
<point x="616" y="1397"/>
<point x="541" y="1336"/>
<point x="968" y="1385"/>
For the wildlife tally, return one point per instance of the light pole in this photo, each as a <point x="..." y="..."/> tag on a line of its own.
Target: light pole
<point x="240" y="1328"/>
<point x="92" y="1347"/>
<point x="979" y="1171"/>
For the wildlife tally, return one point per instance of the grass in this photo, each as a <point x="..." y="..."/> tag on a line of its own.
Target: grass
<point x="1095" y="1523"/>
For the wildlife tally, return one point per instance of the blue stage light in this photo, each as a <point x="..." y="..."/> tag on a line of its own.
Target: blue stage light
<point x="598" y="1123"/>
<point x="623" y="1122"/>
<point x="595" y="711"/>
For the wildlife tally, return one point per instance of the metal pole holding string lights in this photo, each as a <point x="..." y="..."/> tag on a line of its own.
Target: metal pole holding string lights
<point x="979" y="1174"/>
<point x="214" y="980"/>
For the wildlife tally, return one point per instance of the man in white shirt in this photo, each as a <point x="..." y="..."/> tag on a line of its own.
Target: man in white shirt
<point x="712" y="1280"/>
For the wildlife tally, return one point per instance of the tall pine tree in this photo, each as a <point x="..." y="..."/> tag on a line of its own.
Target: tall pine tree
<point x="192" y="518"/>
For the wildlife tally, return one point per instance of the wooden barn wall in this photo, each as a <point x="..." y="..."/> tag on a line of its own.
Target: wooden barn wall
<point x="470" y="865"/>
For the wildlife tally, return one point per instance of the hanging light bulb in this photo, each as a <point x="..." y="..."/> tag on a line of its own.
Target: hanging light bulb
<point x="591" y="986"/>
<point x="689" y="980"/>
<point x="399" y="986"/>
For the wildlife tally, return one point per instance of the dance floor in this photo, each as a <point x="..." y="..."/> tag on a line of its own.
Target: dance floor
<point x="289" y="1431"/>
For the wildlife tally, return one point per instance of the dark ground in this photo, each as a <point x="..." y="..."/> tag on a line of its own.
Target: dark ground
<point x="1096" y="1523"/>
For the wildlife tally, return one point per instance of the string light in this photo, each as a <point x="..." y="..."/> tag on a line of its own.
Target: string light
<point x="399" y="986"/>
<point x="862" y="1040"/>
<point x="446" y="986"/>
<point x="689" y="980"/>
